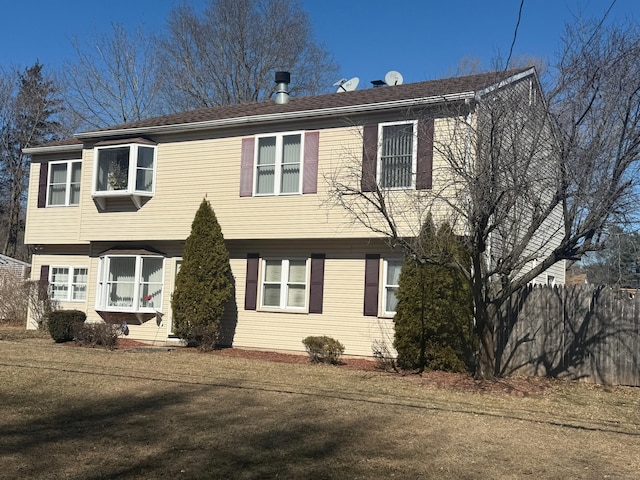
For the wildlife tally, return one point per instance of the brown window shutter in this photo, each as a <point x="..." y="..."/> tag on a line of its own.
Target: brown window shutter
<point x="44" y="274"/>
<point x="42" y="185"/>
<point x="316" y="289"/>
<point x="371" y="285"/>
<point x="425" y="154"/>
<point x="246" y="167"/>
<point x="369" y="158"/>
<point x="310" y="175"/>
<point x="251" y="287"/>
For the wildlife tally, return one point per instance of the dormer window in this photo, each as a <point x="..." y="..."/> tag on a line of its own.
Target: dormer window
<point x="124" y="170"/>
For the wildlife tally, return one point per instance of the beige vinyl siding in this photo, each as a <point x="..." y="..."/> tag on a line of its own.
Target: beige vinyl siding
<point x="52" y="225"/>
<point x="62" y="261"/>
<point x="189" y="171"/>
<point x="342" y="316"/>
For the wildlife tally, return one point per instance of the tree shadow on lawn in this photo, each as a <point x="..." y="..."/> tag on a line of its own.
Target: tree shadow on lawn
<point x="189" y="431"/>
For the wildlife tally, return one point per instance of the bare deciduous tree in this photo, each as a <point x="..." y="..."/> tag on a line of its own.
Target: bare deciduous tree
<point x="527" y="183"/>
<point x="229" y="54"/>
<point x="114" y="79"/>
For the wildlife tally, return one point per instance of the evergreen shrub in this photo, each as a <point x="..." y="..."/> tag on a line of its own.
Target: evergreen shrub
<point x="62" y="324"/>
<point x="433" y="320"/>
<point x="323" y="349"/>
<point x="204" y="284"/>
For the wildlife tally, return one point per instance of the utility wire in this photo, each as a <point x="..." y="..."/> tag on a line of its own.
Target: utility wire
<point x="515" y="34"/>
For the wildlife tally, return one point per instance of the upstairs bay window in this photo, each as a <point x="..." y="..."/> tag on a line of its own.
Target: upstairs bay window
<point x="124" y="171"/>
<point x="397" y="155"/>
<point x="278" y="165"/>
<point x="63" y="184"/>
<point x="130" y="283"/>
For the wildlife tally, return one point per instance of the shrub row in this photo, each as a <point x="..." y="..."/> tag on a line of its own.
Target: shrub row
<point x="69" y="325"/>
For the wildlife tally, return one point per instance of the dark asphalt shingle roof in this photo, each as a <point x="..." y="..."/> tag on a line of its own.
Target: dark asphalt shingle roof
<point x="370" y="96"/>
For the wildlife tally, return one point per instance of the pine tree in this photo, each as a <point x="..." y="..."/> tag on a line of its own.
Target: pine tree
<point x="204" y="284"/>
<point x="433" y="318"/>
<point x="28" y="117"/>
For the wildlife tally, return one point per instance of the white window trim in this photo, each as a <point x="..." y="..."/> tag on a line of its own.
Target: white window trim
<point x="385" y="286"/>
<point x="102" y="293"/>
<point x="414" y="153"/>
<point x="70" y="284"/>
<point x="67" y="193"/>
<point x="278" y="166"/>
<point x="284" y="284"/>
<point x="136" y="196"/>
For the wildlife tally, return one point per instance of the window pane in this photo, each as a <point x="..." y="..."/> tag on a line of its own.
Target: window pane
<point x="79" y="286"/>
<point x="271" y="296"/>
<point x="145" y="157"/>
<point x="144" y="180"/>
<point x="152" y="270"/>
<point x="121" y="295"/>
<point x="60" y="292"/>
<point x="122" y="269"/>
<point x="59" y="173"/>
<point x="392" y="301"/>
<point x="59" y="275"/>
<point x="297" y="271"/>
<point x="393" y="272"/>
<point x="57" y="194"/>
<point x="113" y="168"/>
<point x="74" y="195"/>
<point x="291" y="149"/>
<point x="76" y="171"/>
<point x="267" y="151"/>
<point x="273" y="271"/>
<point x="296" y="296"/>
<point x="397" y="156"/>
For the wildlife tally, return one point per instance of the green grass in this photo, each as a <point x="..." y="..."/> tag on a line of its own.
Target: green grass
<point x="80" y="413"/>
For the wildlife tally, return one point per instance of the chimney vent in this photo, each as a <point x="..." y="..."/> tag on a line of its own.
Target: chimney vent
<point x="282" y="90"/>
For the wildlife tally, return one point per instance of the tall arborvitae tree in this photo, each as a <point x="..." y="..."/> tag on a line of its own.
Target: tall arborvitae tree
<point x="204" y="284"/>
<point x="29" y="106"/>
<point x="433" y="321"/>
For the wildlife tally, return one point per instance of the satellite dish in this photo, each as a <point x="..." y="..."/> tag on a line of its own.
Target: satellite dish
<point x="348" y="85"/>
<point x="340" y="82"/>
<point x="393" y="78"/>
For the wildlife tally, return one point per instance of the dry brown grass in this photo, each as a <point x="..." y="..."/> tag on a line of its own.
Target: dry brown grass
<point x="81" y="413"/>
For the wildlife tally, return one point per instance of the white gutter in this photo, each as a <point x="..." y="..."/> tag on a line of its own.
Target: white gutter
<point x="53" y="149"/>
<point x="275" y="117"/>
<point x="505" y="82"/>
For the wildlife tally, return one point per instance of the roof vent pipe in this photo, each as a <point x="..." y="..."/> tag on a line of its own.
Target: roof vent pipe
<point x="282" y="90"/>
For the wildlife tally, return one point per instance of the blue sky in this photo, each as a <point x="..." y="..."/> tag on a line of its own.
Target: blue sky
<point x="422" y="39"/>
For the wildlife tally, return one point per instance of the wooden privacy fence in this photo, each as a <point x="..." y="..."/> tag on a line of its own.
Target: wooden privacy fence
<point x="575" y="332"/>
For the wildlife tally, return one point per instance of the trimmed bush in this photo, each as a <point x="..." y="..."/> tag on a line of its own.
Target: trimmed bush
<point x="62" y="324"/>
<point x="323" y="349"/>
<point x="97" y="334"/>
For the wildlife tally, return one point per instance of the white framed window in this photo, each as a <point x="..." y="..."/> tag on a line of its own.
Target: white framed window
<point x="63" y="184"/>
<point x="397" y="154"/>
<point x="68" y="284"/>
<point x="391" y="275"/>
<point x="284" y="283"/>
<point x="130" y="283"/>
<point x="124" y="170"/>
<point x="278" y="164"/>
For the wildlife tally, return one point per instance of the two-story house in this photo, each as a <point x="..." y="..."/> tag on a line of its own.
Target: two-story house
<point x="109" y="210"/>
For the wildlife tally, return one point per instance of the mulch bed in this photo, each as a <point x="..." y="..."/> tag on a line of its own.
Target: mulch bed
<point x="512" y="386"/>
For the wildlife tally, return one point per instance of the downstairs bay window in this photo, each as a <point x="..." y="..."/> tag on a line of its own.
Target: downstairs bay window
<point x="130" y="283"/>
<point x="124" y="171"/>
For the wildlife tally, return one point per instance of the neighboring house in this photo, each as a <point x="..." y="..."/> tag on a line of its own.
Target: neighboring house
<point x="13" y="267"/>
<point x="110" y="209"/>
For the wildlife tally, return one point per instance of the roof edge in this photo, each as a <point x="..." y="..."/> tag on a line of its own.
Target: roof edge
<point x="276" y="117"/>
